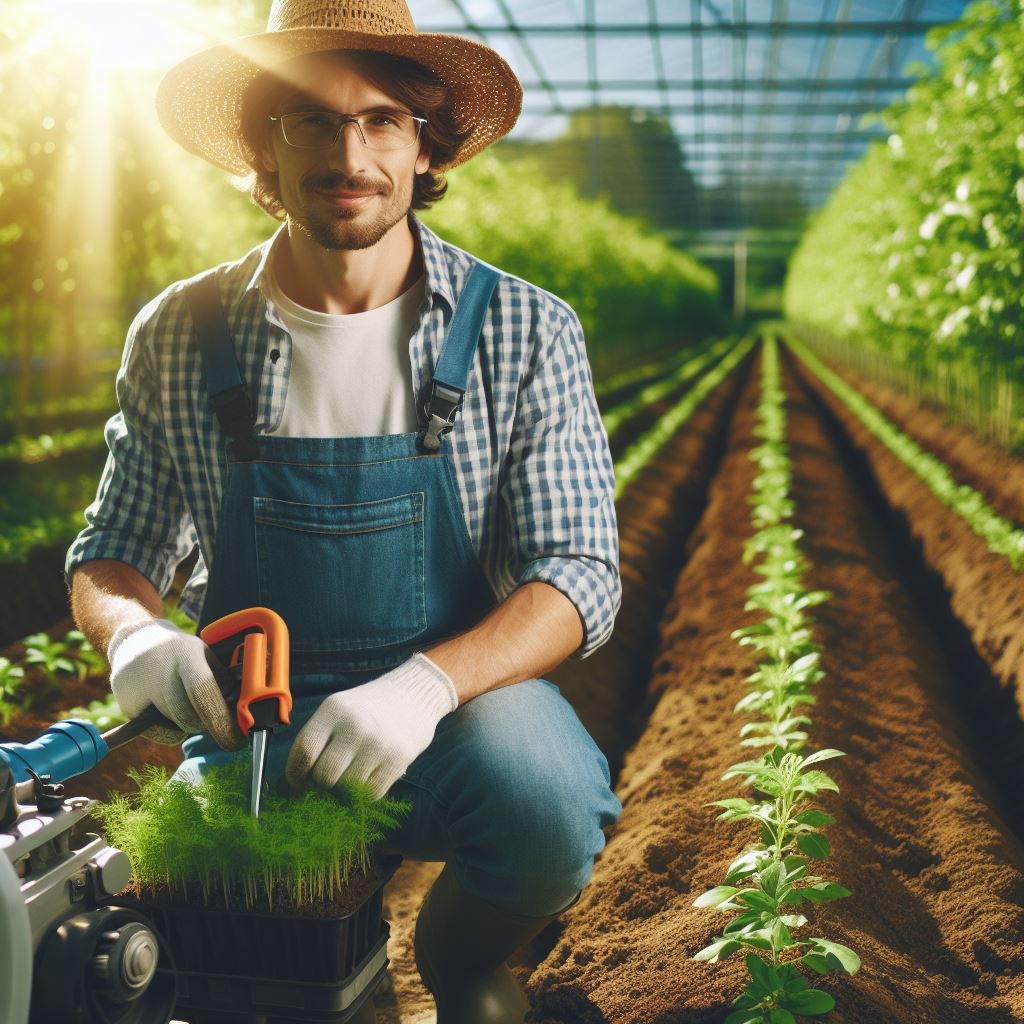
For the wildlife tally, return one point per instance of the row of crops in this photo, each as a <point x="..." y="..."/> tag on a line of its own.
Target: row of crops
<point x="761" y="891"/>
<point x="911" y="272"/>
<point x="777" y="879"/>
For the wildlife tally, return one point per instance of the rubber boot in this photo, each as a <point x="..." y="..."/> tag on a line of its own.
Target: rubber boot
<point x="461" y="945"/>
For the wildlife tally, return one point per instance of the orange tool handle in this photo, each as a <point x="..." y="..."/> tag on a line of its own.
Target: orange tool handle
<point x="256" y="687"/>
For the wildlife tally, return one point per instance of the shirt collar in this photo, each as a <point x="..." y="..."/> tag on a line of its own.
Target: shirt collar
<point x="435" y="263"/>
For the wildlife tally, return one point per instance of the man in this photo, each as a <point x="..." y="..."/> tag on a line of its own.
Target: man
<point x="434" y="543"/>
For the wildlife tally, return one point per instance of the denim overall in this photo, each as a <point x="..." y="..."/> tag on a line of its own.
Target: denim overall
<point x="361" y="545"/>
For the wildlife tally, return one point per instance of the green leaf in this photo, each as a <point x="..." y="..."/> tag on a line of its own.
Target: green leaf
<point x="822" y="755"/>
<point x="815" y="818"/>
<point x="758" y="900"/>
<point x="781" y="1016"/>
<point x="822" y="964"/>
<point x="764" y="974"/>
<point x="846" y="956"/>
<point x="718" y="950"/>
<point x="823" y="892"/>
<point x="771" y="878"/>
<point x="714" y="897"/>
<point x="810" y="1003"/>
<point x="744" y="1017"/>
<point x="814" y="845"/>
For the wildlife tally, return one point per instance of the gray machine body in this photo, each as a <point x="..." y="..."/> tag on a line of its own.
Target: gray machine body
<point x="44" y="879"/>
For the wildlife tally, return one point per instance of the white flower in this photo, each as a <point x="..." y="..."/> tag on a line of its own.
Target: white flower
<point x="964" y="278"/>
<point x="963" y="190"/>
<point x="952" y="322"/>
<point x="928" y="226"/>
<point x="893" y="291"/>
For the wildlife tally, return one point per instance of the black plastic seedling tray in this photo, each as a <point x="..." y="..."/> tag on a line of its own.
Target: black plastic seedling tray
<point x="316" y="969"/>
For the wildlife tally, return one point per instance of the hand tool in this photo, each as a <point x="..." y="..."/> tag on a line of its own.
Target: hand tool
<point x="71" y="747"/>
<point x="264" y="703"/>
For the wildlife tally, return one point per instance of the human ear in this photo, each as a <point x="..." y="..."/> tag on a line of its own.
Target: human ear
<point x="265" y="154"/>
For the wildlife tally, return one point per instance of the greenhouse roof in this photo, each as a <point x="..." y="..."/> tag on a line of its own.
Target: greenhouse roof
<point x="758" y="94"/>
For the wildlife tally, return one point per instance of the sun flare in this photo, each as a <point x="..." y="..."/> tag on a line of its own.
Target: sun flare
<point x="118" y="34"/>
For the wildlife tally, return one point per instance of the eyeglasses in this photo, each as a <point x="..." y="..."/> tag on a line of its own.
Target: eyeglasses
<point x="318" y="129"/>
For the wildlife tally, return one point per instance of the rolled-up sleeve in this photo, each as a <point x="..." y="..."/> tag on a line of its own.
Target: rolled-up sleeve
<point x="139" y="515"/>
<point x="558" y="487"/>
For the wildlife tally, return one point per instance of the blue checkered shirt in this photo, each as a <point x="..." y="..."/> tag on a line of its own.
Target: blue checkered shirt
<point x="531" y="455"/>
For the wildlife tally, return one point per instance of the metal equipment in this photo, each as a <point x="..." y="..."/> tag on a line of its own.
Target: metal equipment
<point x="66" y="955"/>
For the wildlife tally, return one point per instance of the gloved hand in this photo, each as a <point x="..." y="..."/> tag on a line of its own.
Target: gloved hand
<point x="155" y="662"/>
<point x="373" y="732"/>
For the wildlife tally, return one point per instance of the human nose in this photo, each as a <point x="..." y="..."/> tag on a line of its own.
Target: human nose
<point x="348" y="148"/>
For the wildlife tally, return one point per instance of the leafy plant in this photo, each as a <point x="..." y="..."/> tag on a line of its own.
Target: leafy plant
<point x="1002" y="536"/>
<point x="11" y="678"/>
<point x="200" y="838"/>
<point x="50" y="657"/>
<point x="645" y="448"/>
<point x="104" y="713"/>
<point x="770" y="879"/>
<point x="911" y="271"/>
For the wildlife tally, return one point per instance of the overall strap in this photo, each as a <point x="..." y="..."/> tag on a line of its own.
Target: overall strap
<point x="228" y="394"/>
<point x="447" y="387"/>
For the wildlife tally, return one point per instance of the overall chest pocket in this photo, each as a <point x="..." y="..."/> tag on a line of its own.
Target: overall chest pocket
<point x="343" y="577"/>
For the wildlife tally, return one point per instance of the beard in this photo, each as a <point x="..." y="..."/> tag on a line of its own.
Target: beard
<point x="360" y="227"/>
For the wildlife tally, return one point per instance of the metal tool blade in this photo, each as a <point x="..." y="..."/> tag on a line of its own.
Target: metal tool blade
<point x="260" y="739"/>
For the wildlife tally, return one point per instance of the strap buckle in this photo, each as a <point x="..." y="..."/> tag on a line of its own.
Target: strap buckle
<point x="439" y="410"/>
<point x="235" y="415"/>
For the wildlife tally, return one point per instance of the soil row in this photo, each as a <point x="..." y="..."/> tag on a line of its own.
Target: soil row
<point x="607" y="690"/>
<point x="985" y="593"/>
<point x="991" y="471"/>
<point x="937" y="911"/>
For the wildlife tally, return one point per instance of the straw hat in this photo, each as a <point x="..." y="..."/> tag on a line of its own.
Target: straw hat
<point x="199" y="101"/>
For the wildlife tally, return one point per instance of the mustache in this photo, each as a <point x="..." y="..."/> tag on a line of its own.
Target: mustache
<point x="339" y="183"/>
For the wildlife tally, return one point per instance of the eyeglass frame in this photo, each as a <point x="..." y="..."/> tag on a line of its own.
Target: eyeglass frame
<point x="349" y="119"/>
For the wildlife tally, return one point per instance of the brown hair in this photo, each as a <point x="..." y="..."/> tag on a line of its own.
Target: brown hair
<point x="404" y="80"/>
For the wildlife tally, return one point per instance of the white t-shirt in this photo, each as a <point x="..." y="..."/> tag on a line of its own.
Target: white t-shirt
<point x="350" y="374"/>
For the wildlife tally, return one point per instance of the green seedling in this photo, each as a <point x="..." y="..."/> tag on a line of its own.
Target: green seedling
<point x="1002" y="536"/>
<point x="51" y="658"/>
<point x="767" y="883"/>
<point x="645" y="448"/>
<point x="198" y="839"/>
<point x="11" y="679"/>
<point x="90" y="661"/>
<point x="104" y="714"/>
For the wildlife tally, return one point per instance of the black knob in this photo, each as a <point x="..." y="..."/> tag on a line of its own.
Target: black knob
<point x="125" y="961"/>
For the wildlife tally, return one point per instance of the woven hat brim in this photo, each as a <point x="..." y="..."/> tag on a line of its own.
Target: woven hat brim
<point x="199" y="101"/>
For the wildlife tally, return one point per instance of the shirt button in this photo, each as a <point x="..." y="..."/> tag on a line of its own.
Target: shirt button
<point x="275" y="355"/>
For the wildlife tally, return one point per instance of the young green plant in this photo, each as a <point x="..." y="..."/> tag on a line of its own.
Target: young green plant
<point x="772" y="877"/>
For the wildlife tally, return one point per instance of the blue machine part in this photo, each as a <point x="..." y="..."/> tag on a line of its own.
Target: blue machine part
<point x="65" y="750"/>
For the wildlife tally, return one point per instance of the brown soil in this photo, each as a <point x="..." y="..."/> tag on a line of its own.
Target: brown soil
<point x="51" y="703"/>
<point x="985" y="593"/>
<point x="607" y="689"/>
<point x="938" y="907"/>
<point x="361" y="884"/>
<point x="33" y="592"/>
<point x="993" y="472"/>
<point x="937" y="911"/>
<point x="655" y="515"/>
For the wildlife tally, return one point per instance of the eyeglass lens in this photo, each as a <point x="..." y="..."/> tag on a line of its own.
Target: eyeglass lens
<point x="315" y="129"/>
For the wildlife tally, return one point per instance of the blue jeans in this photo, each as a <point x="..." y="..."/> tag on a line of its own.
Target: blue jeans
<point x="512" y="789"/>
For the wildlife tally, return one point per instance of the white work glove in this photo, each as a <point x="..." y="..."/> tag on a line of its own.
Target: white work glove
<point x="373" y="732"/>
<point x="155" y="662"/>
